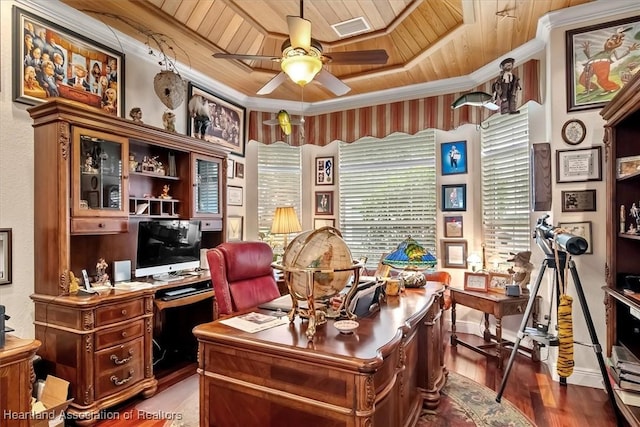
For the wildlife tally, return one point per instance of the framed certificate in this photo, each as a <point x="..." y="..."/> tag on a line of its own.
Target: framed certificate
<point x="476" y="281"/>
<point x="579" y="165"/>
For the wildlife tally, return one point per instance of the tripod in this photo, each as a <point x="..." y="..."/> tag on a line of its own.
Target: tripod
<point x="548" y="339"/>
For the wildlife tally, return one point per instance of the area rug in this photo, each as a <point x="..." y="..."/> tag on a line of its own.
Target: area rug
<point x="464" y="403"/>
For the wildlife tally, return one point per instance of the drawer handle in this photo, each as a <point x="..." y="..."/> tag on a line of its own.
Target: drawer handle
<point x="124" y="334"/>
<point x="101" y="225"/>
<point x="123" y="381"/>
<point x="124" y="312"/>
<point x="117" y="361"/>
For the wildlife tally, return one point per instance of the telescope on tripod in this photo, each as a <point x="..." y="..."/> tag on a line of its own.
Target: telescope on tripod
<point x="558" y="244"/>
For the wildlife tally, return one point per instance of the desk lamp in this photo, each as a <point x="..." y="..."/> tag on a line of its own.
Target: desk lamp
<point x="285" y="221"/>
<point x="411" y="257"/>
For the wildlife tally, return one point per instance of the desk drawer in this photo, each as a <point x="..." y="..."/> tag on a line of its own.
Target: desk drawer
<point x="99" y="225"/>
<point x="119" y="378"/>
<point x="119" y="335"/>
<point x="123" y="355"/>
<point x="513" y="307"/>
<point x="118" y="312"/>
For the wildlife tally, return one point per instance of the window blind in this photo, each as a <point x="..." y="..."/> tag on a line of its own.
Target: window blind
<point x="387" y="193"/>
<point x="279" y="182"/>
<point x="505" y="160"/>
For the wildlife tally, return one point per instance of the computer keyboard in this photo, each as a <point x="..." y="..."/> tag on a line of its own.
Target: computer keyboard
<point x="179" y="291"/>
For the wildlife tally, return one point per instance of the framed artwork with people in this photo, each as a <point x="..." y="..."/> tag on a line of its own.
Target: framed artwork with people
<point x="324" y="202"/>
<point x="453" y="157"/>
<point x="600" y="60"/>
<point x="51" y="61"/>
<point x="215" y="119"/>
<point x="454" y="197"/>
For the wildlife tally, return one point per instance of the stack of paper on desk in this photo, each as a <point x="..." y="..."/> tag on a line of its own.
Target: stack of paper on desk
<point x="255" y="322"/>
<point x="132" y="286"/>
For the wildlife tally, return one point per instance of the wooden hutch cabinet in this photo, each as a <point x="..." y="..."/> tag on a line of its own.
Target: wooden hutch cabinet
<point x="622" y="140"/>
<point x="95" y="177"/>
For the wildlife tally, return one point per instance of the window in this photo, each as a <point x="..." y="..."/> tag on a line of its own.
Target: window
<point x="387" y="193"/>
<point x="505" y="159"/>
<point x="279" y="182"/>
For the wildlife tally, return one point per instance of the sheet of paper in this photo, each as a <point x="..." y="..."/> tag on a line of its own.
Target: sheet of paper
<point x="254" y="322"/>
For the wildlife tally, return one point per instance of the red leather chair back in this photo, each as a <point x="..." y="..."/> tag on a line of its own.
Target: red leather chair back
<point x="242" y="275"/>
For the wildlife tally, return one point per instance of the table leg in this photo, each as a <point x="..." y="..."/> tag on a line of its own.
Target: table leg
<point x="454" y="338"/>
<point x="499" y="345"/>
<point x="487" y="332"/>
<point x="535" y="351"/>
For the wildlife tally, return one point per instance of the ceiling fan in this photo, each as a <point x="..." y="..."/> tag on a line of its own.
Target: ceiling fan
<point x="303" y="59"/>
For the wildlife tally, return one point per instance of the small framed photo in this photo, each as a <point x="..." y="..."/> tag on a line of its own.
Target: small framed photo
<point x="453" y="226"/>
<point x="582" y="229"/>
<point x="476" y="281"/>
<point x="322" y="222"/>
<point x="454" y="197"/>
<point x="324" y="170"/>
<point x="324" y="202"/>
<point x="230" y="168"/>
<point x="626" y="167"/>
<point x="235" y="195"/>
<point x="234" y="228"/>
<point x="239" y="170"/>
<point x="453" y="157"/>
<point x="498" y="282"/>
<point x="579" y="201"/>
<point x="579" y="165"/>
<point x="5" y="256"/>
<point x="455" y="253"/>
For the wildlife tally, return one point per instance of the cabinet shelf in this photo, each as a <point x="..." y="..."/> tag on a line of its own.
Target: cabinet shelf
<point x="153" y="207"/>
<point x="629" y="236"/>
<point x="155" y="175"/>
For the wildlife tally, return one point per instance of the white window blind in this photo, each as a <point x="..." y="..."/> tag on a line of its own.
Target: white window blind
<point x="387" y="193"/>
<point x="279" y="182"/>
<point x="505" y="159"/>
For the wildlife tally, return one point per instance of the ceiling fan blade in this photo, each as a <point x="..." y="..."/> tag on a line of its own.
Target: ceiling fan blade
<point x="376" y="56"/>
<point x="299" y="32"/>
<point x="332" y="83"/>
<point x="246" y="57"/>
<point x="272" y="84"/>
<point x="273" y="122"/>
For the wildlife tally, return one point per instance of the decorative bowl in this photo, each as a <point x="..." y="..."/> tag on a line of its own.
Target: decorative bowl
<point x="346" y="326"/>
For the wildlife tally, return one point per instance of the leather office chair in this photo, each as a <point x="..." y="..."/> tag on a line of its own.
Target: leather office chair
<point x="242" y="276"/>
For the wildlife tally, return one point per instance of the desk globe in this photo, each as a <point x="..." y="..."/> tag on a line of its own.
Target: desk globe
<point x="317" y="266"/>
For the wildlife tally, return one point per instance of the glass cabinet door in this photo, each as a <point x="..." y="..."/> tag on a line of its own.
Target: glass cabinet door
<point x="207" y="187"/>
<point x="99" y="187"/>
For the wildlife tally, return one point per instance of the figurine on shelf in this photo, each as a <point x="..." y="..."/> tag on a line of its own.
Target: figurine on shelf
<point x="169" y="121"/>
<point x="74" y="283"/>
<point x="88" y="164"/>
<point x="623" y="218"/>
<point x="634" y="212"/>
<point x="165" y="192"/>
<point x="102" y="278"/>
<point x="136" y="114"/>
<point x="133" y="163"/>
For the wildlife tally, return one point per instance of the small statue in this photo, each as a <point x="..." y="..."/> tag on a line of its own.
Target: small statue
<point x="165" y="192"/>
<point x="169" y="121"/>
<point x="623" y="218"/>
<point x="521" y="270"/>
<point x="634" y="212"/>
<point x="102" y="278"/>
<point x="506" y="87"/>
<point x="88" y="164"/>
<point x="136" y="114"/>
<point x="74" y="283"/>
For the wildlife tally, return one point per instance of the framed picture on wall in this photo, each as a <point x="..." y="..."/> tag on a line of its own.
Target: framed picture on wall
<point x="453" y="157"/>
<point x="453" y="226"/>
<point x="235" y="195"/>
<point x="455" y="253"/>
<point x="454" y="197"/>
<point x="593" y="79"/>
<point x="5" y="256"/>
<point x="215" y="119"/>
<point x="234" y="228"/>
<point x="324" y="171"/>
<point x="73" y="66"/>
<point x="578" y="201"/>
<point x="582" y="229"/>
<point x="579" y="165"/>
<point x="324" y="202"/>
<point x="322" y="222"/>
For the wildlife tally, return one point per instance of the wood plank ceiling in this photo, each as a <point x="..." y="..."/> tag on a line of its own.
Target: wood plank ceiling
<point x="426" y="40"/>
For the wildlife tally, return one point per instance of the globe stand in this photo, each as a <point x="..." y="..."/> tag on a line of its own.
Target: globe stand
<point x="317" y="316"/>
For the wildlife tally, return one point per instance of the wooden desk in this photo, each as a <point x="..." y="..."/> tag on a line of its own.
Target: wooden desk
<point x="379" y="376"/>
<point x="498" y="305"/>
<point x="16" y="379"/>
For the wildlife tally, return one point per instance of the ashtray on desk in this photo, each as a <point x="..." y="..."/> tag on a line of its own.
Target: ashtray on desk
<point x="346" y="326"/>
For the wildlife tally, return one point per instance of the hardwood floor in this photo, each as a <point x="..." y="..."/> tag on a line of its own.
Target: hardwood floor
<point x="529" y="387"/>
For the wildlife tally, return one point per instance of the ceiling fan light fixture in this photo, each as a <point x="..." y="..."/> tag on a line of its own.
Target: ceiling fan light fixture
<point x="301" y="68"/>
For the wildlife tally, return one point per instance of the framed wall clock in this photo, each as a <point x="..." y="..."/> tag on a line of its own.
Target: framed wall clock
<point x="574" y="131"/>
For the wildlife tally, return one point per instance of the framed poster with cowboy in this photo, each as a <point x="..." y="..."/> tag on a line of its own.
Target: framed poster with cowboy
<point x="601" y="59"/>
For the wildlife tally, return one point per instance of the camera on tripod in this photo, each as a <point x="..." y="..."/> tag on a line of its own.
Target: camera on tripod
<point x="567" y="242"/>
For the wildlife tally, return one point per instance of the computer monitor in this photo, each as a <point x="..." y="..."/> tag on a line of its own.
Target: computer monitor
<point x="167" y="246"/>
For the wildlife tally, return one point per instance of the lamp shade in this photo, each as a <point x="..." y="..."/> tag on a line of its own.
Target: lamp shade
<point x="301" y="68"/>
<point x="410" y="254"/>
<point x="285" y="221"/>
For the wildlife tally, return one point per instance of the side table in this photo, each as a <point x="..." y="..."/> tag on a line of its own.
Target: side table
<point x="498" y="305"/>
<point x="16" y="379"/>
